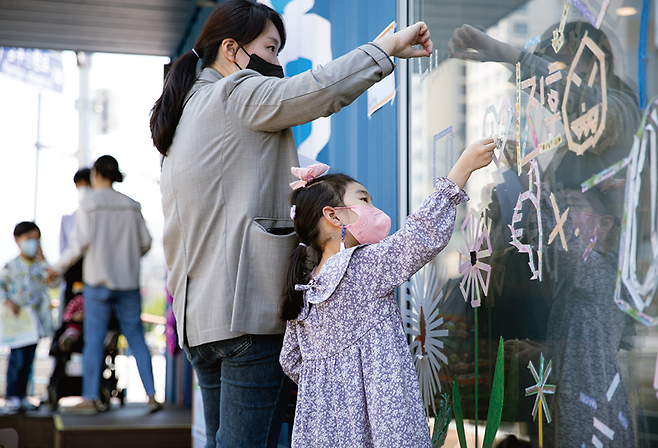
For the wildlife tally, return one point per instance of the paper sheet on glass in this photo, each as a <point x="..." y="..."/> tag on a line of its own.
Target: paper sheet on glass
<point x="383" y="91"/>
<point x="18" y="331"/>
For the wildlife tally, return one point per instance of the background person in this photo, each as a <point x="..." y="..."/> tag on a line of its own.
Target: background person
<point x="111" y="234"/>
<point x="82" y="183"/>
<point x="227" y="145"/>
<point x="23" y="285"/>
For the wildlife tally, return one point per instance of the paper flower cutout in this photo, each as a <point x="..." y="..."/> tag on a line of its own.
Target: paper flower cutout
<point x="541" y="387"/>
<point x="475" y="233"/>
<point x="423" y="327"/>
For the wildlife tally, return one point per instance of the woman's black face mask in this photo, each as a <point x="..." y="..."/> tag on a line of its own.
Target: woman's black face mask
<point x="260" y="65"/>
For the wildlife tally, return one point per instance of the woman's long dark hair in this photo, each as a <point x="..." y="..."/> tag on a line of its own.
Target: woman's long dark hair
<point x="242" y="20"/>
<point x="309" y="201"/>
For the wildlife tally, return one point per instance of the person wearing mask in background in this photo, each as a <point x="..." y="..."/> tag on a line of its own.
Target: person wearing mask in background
<point x="74" y="273"/>
<point x="227" y="145"/>
<point x="111" y="233"/>
<point x="23" y="289"/>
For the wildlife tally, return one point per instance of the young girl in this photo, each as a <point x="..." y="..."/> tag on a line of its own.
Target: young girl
<point x="344" y="343"/>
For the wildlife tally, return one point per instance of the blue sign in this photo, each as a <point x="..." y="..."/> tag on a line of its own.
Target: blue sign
<point x="41" y="68"/>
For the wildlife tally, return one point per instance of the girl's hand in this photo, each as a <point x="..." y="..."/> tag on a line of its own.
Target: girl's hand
<point x="401" y="44"/>
<point x="484" y="47"/>
<point x="478" y="155"/>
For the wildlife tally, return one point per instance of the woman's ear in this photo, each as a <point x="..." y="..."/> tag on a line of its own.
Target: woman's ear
<point x="228" y="50"/>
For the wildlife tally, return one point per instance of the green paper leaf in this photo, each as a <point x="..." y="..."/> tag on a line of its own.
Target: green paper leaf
<point x="441" y="423"/>
<point x="497" y="397"/>
<point x="512" y="388"/>
<point x="459" y="418"/>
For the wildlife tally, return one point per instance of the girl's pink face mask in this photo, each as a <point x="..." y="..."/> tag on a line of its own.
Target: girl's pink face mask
<point x="372" y="226"/>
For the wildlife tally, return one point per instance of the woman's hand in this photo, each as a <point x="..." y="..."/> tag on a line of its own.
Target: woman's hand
<point x="478" y="155"/>
<point x="401" y="44"/>
<point x="484" y="47"/>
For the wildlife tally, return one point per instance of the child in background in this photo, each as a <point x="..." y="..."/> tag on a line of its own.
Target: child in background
<point x="344" y="343"/>
<point x="23" y="284"/>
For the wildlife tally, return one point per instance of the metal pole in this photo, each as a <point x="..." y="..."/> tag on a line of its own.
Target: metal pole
<point x="38" y="147"/>
<point x="84" y="110"/>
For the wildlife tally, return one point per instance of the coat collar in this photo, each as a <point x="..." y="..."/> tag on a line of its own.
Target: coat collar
<point x="320" y="288"/>
<point x="207" y="77"/>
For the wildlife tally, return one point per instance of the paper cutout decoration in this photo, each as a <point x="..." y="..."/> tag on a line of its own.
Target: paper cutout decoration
<point x="589" y="401"/>
<point x="424" y="329"/>
<point x="560" y="220"/>
<point x="441" y="422"/>
<point x="384" y="91"/>
<point x="475" y="231"/>
<point x="541" y="387"/>
<point x="499" y="127"/>
<point x="593" y="120"/>
<point x="532" y="41"/>
<point x="558" y="34"/>
<point x="643" y="152"/>
<point x="622" y="419"/>
<point x="613" y="387"/>
<point x="589" y="15"/>
<point x="446" y="132"/>
<point x="605" y="174"/>
<point x="534" y="198"/>
<point x="605" y="430"/>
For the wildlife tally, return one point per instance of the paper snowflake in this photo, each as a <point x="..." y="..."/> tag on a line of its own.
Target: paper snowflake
<point x="475" y="234"/>
<point x="423" y="327"/>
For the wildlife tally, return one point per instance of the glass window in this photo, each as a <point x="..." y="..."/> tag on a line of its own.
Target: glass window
<point x="558" y="245"/>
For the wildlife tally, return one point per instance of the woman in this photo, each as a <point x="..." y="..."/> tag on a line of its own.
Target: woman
<point x="228" y="149"/>
<point x="111" y="234"/>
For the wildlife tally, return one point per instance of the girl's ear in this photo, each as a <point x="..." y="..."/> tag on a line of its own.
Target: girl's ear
<point x="331" y="217"/>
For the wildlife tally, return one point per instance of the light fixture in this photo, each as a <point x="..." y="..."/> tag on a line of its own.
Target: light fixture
<point x="626" y="11"/>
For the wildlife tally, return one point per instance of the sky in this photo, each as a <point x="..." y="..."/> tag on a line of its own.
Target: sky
<point x="136" y="82"/>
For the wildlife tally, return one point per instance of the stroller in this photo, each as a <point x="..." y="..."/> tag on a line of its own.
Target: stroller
<point x="66" y="382"/>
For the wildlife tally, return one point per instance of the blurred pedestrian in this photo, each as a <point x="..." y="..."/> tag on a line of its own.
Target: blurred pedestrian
<point x="111" y="234"/>
<point x="23" y="289"/>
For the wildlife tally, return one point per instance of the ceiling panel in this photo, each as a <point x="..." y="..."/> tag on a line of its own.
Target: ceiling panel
<point x="154" y="27"/>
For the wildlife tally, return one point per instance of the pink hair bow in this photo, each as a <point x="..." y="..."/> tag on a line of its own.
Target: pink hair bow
<point x="307" y="174"/>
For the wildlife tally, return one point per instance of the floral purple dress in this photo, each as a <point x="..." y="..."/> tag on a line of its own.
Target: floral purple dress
<point x="347" y="350"/>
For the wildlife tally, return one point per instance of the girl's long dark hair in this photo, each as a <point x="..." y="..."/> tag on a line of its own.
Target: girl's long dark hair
<point x="242" y="20"/>
<point x="309" y="201"/>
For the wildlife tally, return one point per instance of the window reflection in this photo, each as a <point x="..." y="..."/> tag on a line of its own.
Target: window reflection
<point x="579" y="117"/>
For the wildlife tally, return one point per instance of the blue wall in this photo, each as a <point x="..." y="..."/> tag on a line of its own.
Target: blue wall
<point x="366" y="149"/>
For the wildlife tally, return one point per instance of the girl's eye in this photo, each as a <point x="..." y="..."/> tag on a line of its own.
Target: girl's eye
<point x="364" y="200"/>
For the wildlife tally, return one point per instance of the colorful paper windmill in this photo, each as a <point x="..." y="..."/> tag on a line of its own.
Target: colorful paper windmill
<point x="475" y="233"/>
<point x="541" y="387"/>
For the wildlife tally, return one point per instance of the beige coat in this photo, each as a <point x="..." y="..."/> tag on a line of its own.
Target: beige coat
<point x="225" y="182"/>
